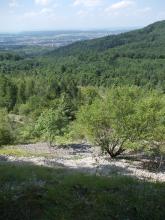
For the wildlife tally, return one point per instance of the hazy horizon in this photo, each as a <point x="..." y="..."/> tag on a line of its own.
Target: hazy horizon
<point x="56" y="15"/>
<point x="74" y="30"/>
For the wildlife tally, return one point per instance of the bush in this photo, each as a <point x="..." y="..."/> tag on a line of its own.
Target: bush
<point x="50" y="124"/>
<point x="125" y="117"/>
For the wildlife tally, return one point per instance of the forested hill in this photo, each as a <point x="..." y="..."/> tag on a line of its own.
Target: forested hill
<point x="136" y="57"/>
<point x="132" y="58"/>
<point x="152" y="36"/>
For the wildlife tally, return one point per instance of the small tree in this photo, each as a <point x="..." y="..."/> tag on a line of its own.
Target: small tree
<point x="152" y="118"/>
<point x="118" y="121"/>
<point x="50" y="124"/>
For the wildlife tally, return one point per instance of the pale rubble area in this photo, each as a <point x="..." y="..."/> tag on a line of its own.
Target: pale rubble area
<point x="85" y="158"/>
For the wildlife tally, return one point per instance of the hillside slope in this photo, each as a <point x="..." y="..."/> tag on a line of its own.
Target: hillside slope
<point x="132" y="58"/>
<point x="151" y="35"/>
<point x="136" y="57"/>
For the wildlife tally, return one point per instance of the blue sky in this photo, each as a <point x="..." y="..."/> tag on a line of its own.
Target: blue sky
<point x="18" y="15"/>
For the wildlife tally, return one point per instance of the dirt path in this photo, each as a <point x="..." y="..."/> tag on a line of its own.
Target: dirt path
<point x="83" y="157"/>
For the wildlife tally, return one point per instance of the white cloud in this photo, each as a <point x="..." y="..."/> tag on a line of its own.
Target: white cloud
<point x="42" y="12"/>
<point x="42" y="2"/>
<point x="13" y="4"/>
<point x="87" y="3"/>
<point x="120" y="5"/>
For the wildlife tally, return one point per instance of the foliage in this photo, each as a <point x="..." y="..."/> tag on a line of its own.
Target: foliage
<point x="50" y="124"/>
<point x="127" y="115"/>
<point x="152" y="119"/>
<point x="8" y="93"/>
<point x="88" y="95"/>
<point x="6" y="135"/>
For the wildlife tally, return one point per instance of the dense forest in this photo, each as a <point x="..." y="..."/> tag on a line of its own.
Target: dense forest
<point x="35" y="89"/>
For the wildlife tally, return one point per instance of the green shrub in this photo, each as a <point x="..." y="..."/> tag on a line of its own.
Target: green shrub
<point x="50" y="124"/>
<point x="126" y="116"/>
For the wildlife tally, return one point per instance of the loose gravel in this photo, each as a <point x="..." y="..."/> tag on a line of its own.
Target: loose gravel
<point x="85" y="158"/>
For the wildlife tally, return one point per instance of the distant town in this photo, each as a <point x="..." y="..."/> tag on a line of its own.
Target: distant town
<point x="51" y="39"/>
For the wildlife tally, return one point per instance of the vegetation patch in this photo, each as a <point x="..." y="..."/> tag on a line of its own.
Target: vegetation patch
<point x="30" y="192"/>
<point x="18" y="152"/>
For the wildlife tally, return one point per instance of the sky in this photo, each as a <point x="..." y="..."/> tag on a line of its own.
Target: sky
<point x="30" y="15"/>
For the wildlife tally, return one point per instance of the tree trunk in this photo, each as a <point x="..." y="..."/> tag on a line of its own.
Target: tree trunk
<point x="113" y="153"/>
<point x="160" y="162"/>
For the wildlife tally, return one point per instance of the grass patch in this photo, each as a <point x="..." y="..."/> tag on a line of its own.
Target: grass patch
<point x="31" y="193"/>
<point x="17" y="152"/>
<point x="14" y="152"/>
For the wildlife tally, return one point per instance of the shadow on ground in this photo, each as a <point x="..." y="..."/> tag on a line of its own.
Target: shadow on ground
<point x="31" y="192"/>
